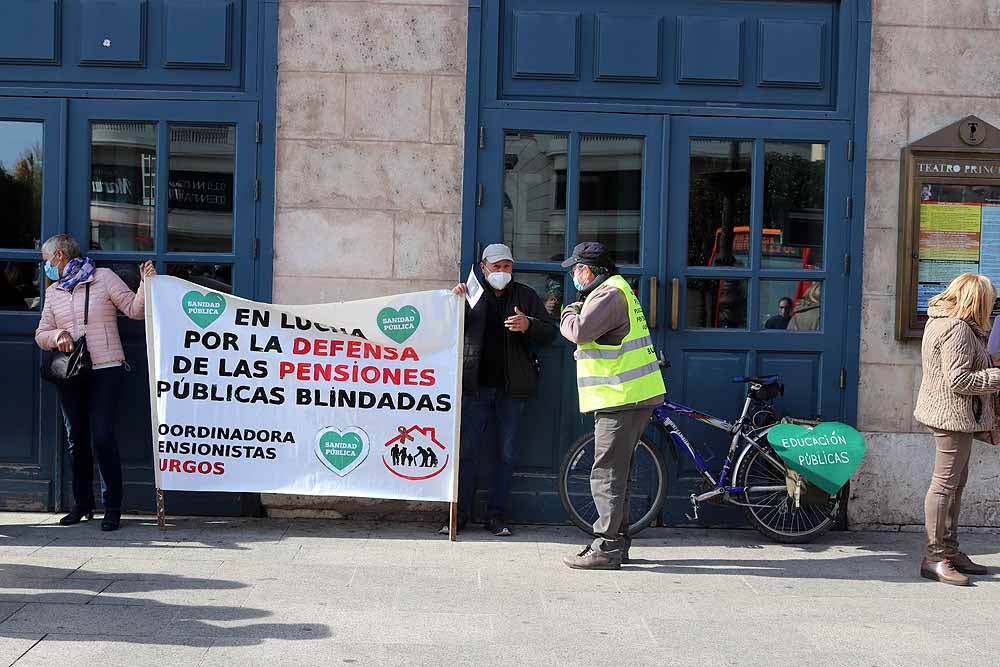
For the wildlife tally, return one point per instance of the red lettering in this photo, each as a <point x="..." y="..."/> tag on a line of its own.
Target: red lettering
<point x="340" y="373"/>
<point x="410" y="376"/>
<point x="303" y="372"/>
<point x="285" y="368"/>
<point x="219" y="469"/>
<point x="409" y="354"/>
<point x="336" y="346"/>
<point x="300" y="346"/>
<point x="321" y="348"/>
<point x="189" y="466"/>
<point x="175" y="465"/>
<point x="205" y="467"/>
<point x="427" y="377"/>
<point x="354" y="349"/>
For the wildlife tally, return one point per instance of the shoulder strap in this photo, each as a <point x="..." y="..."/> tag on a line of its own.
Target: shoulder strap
<point x="86" y="304"/>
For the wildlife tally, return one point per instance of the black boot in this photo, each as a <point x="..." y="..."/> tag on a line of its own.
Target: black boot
<point x="111" y="520"/>
<point x="76" y="515"/>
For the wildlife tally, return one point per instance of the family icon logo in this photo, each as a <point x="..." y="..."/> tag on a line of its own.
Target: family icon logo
<point x="203" y="309"/>
<point x="415" y="454"/>
<point x="342" y="450"/>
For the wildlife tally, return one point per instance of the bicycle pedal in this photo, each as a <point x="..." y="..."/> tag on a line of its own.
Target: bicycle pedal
<point x="694" y="508"/>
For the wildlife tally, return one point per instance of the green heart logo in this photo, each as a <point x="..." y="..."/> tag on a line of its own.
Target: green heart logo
<point x="399" y="324"/>
<point x="203" y="309"/>
<point x="342" y="451"/>
<point x="825" y="455"/>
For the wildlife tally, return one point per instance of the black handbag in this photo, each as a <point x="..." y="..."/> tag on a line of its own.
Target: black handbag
<point x="69" y="367"/>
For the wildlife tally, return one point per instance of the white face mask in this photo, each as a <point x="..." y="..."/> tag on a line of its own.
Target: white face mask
<point x="498" y="279"/>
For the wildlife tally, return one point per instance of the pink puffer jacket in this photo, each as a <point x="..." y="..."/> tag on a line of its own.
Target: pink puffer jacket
<point x="63" y="311"/>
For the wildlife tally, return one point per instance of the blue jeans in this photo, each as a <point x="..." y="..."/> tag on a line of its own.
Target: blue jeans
<point x="489" y="408"/>
<point x="88" y="415"/>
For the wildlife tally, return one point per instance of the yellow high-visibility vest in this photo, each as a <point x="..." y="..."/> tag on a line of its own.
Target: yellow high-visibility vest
<point x="610" y="376"/>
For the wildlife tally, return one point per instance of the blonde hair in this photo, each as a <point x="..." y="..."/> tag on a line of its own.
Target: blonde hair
<point x="968" y="297"/>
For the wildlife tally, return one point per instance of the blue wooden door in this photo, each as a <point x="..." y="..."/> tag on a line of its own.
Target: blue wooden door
<point x="549" y="181"/>
<point x="31" y="209"/>
<point x="174" y="182"/>
<point x="757" y="219"/>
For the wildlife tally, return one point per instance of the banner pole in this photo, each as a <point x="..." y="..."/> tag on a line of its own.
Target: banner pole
<point x="161" y="519"/>
<point x="453" y="509"/>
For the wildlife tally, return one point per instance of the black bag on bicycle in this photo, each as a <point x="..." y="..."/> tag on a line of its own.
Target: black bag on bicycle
<point x="69" y="367"/>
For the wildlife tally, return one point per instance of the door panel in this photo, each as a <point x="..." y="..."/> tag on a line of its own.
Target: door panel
<point x="552" y="180"/>
<point x="31" y="132"/>
<point x="756" y="217"/>
<point x="170" y="182"/>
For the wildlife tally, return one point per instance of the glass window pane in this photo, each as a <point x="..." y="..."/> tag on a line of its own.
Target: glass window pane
<point x="200" y="193"/>
<point x="792" y="305"/>
<point x="714" y="303"/>
<point x="719" y="203"/>
<point x="611" y="194"/>
<point x="127" y="271"/>
<point x="20" y="184"/>
<point x="794" y="187"/>
<point x="122" y="185"/>
<point x="217" y="277"/>
<point x="534" y="195"/>
<point x="19" y="288"/>
<point x="548" y="287"/>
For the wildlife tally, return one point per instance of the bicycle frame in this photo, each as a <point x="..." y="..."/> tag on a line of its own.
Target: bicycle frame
<point x="662" y="417"/>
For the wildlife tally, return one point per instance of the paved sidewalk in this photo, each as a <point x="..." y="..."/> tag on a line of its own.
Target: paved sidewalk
<point x="214" y="592"/>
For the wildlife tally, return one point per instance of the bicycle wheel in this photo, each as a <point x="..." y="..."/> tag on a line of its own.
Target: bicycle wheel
<point x="773" y="513"/>
<point x="647" y="479"/>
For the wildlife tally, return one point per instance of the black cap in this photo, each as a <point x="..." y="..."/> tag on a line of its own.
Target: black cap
<point x="591" y="253"/>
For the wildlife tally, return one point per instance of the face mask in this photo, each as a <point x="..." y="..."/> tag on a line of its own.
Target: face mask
<point x="576" y="283"/>
<point x="498" y="279"/>
<point x="51" y="272"/>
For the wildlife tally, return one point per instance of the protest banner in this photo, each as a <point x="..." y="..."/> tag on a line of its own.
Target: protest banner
<point x="357" y="399"/>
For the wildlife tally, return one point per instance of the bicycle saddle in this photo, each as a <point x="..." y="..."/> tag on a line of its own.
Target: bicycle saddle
<point x="764" y="381"/>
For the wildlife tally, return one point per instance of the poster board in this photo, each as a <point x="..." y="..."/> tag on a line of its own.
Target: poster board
<point x="949" y="216"/>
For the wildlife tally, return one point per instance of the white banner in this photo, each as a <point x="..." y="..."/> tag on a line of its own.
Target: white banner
<point x="344" y="399"/>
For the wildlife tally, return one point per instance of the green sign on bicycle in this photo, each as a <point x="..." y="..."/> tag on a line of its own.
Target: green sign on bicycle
<point x="826" y="455"/>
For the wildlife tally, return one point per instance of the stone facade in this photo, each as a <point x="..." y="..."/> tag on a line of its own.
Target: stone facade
<point x="932" y="64"/>
<point x="369" y="143"/>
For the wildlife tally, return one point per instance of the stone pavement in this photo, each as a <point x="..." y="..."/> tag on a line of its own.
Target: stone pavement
<point x="247" y="592"/>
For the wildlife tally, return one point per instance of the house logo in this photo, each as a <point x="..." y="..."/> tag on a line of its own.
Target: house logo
<point x="415" y="454"/>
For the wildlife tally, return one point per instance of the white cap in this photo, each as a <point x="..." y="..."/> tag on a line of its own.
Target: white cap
<point x="496" y="252"/>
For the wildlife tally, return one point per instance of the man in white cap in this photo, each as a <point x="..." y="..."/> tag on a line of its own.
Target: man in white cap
<point x="499" y="374"/>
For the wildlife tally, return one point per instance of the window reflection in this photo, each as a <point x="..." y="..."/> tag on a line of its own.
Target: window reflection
<point x="794" y="192"/>
<point x="217" y="277"/>
<point x="719" y="203"/>
<point x="781" y="301"/>
<point x="611" y="194"/>
<point x="716" y="304"/>
<point x="122" y="185"/>
<point x="548" y="287"/>
<point x="20" y="184"/>
<point x="19" y="287"/>
<point x="200" y="191"/>
<point x="534" y="195"/>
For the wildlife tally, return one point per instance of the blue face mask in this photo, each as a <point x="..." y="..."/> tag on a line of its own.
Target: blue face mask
<point x="51" y="272"/>
<point x="577" y="285"/>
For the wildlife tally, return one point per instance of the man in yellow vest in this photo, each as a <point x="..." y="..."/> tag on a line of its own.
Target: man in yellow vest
<point x="618" y="379"/>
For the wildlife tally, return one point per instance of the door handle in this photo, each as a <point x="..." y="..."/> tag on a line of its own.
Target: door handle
<point x="653" y="288"/>
<point x="675" y="308"/>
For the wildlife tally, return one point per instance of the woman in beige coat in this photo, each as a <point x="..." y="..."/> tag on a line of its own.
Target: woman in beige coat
<point x="955" y="402"/>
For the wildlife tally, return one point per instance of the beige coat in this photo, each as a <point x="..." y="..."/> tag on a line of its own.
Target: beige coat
<point x="959" y="378"/>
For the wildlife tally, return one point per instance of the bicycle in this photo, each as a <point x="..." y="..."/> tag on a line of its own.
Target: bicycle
<point x="760" y="479"/>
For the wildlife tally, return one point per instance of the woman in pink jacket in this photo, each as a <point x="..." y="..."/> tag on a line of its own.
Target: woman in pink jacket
<point x="89" y="406"/>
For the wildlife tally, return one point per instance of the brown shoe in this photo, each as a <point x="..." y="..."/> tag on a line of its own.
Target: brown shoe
<point x="590" y="559"/>
<point x="965" y="565"/>
<point x="942" y="571"/>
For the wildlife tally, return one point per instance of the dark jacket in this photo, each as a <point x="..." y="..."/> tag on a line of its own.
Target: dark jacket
<point x="522" y="377"/>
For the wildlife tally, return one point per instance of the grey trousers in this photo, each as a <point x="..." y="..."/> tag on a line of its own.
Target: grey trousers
<point x="615" y="435"/>
<point x="944" y="497"/>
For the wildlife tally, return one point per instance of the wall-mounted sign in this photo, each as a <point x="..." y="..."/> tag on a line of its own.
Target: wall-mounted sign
<point x="949" y="211"/>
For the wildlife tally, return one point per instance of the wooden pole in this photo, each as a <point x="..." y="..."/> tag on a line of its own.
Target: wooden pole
<point x="161" y="517"/>
<point x="452" y="522"/>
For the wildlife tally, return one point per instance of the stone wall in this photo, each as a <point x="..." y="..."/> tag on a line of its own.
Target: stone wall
<point x="932" y="63"/>
<point x="369" y="143"/>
